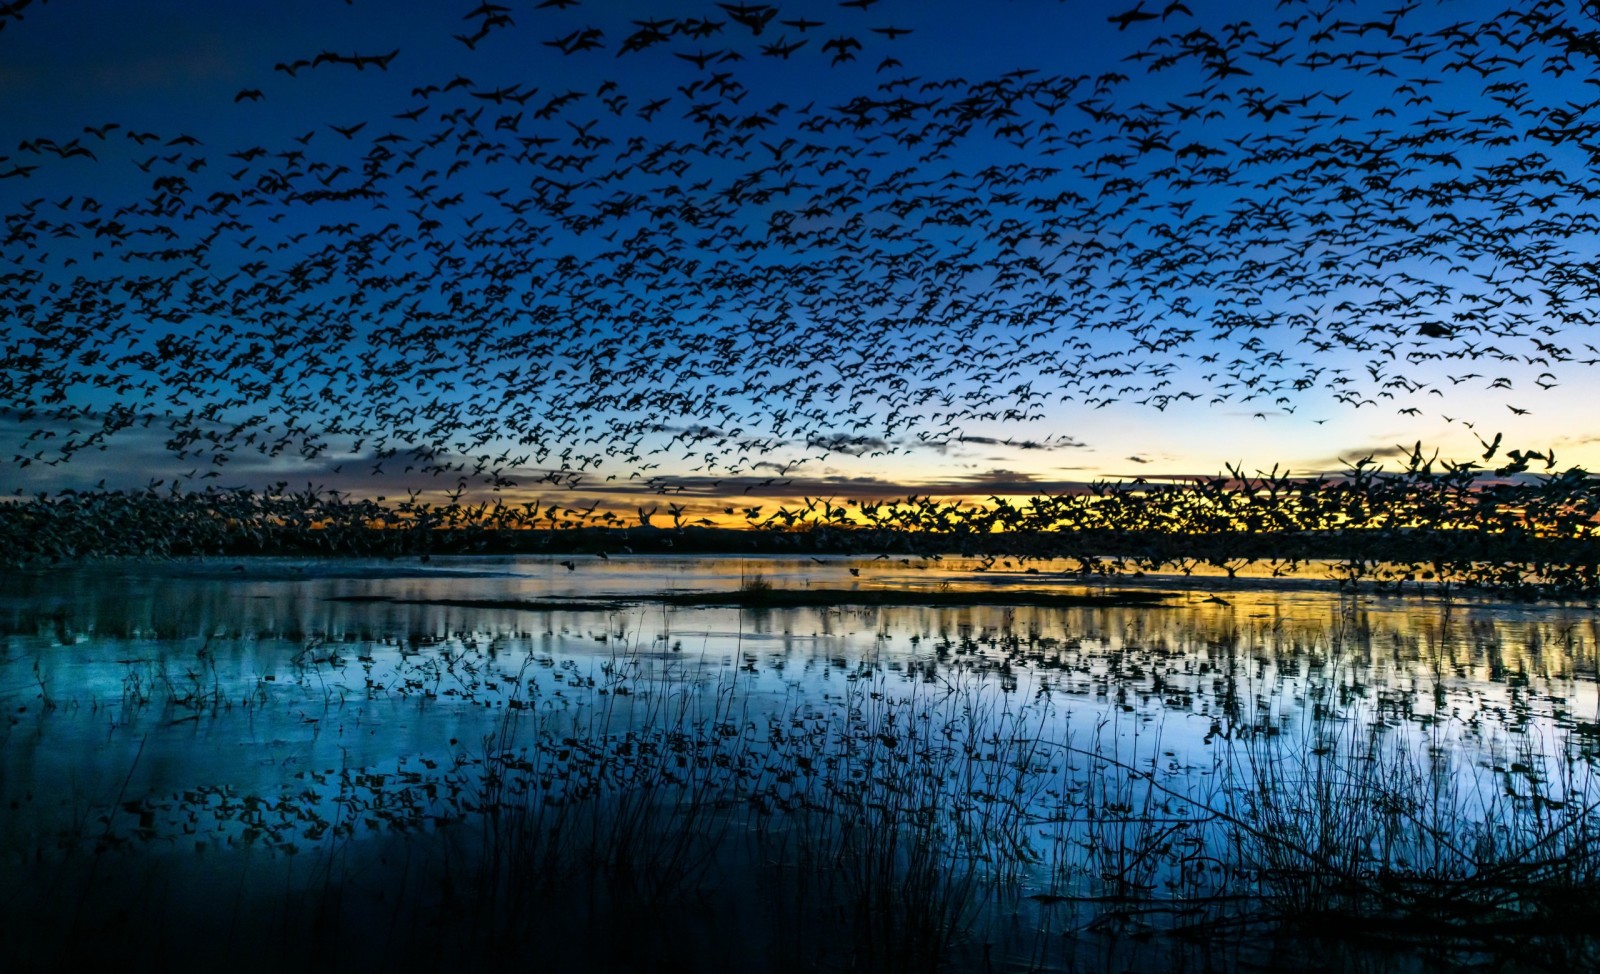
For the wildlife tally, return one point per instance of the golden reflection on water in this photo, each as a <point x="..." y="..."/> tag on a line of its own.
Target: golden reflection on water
<point x="1380" y="639"/>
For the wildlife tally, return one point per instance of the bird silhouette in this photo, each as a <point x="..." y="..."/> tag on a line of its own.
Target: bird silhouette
<point x="539" y="272"/>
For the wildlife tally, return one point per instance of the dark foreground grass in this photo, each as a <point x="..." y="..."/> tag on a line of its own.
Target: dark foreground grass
<point x="649" y="815"/>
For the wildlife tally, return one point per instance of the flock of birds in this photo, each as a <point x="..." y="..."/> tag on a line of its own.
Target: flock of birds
<point x="693" y="265"/>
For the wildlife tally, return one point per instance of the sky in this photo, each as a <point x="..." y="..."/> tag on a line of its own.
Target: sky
<point x="754" y="252"/>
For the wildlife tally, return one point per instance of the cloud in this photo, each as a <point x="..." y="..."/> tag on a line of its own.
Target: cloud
<point x="1048" y="444"/>
<point x="1342" y="461"/>
<point x="731" y="488"/>
<point x="854" y="446"/>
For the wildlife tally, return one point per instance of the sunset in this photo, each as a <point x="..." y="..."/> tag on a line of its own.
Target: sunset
<point x="447" y="375"/>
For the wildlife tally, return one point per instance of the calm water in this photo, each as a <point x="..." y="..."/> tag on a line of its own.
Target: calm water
<point x="158" y="709"/>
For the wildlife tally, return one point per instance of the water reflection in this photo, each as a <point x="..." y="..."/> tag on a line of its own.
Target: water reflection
<point x="157" y="689"/>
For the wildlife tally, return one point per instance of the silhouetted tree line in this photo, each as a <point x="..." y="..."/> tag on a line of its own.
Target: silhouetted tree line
<point x="1445" y="526"/>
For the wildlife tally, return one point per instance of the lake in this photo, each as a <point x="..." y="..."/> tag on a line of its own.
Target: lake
<point x="475" y="759"/>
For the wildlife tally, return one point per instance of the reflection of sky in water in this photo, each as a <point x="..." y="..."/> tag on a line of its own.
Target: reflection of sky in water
<point x="296" y="683"/>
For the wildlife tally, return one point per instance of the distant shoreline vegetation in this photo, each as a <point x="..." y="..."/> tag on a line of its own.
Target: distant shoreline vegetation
<point x="1444" y="530"/>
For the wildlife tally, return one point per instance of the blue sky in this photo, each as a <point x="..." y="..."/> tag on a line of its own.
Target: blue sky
<point x="619" y="246"/>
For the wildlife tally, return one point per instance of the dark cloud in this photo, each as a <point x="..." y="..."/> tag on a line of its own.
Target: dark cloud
<point x="1049" y="444"/>
<point x="1342" y="461"/>
<point x="854" y="446"/>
